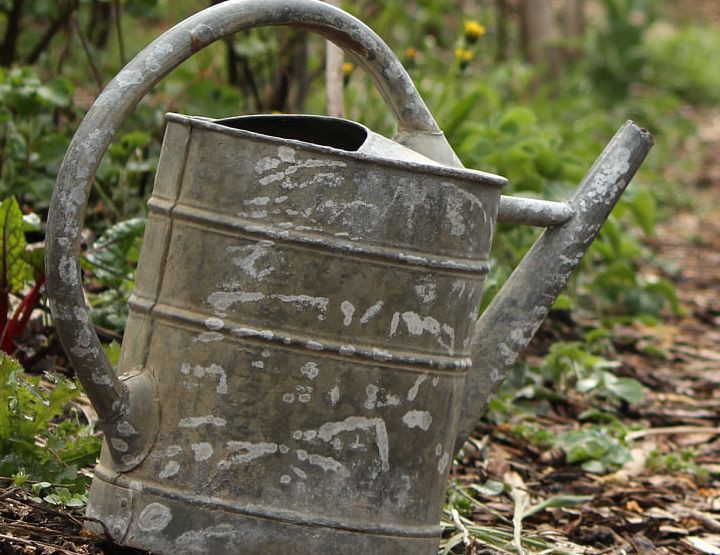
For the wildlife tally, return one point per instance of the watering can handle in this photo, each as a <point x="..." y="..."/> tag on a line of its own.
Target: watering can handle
<point x="416" y="129"/>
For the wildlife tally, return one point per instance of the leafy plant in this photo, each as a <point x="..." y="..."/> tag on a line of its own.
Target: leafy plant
<point x="42" y="442"/>
<point x="682" y="461"/>
<point x="112" y="262"/>
<point x="19" y="268"/>
<point x="594" y="448"/>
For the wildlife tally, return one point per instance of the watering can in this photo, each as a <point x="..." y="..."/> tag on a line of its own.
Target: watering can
<point x="302" y="359"/>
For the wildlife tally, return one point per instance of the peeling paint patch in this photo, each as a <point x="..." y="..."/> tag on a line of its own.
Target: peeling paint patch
<point x="326" y="463"/>
<point x="334" y="395"/>
<point x="394" y="323"/>
<point x="242" y="452"/>
<point x="371" y="312"/>
<point x="170" y="469"/>
<point x="154" y="518"/>
<point x="347" y="308"/>
<point x="214" y="323"/>
<point x="329" y="430"/>
<point x="119" y="445"/>
<point x="208" y="337"/>
<point x="197" y="421"/>
<point x="250" y="256"/>
<point x="203" y="451"/>
<point x="259" y="364"/>
<point x="413" y="391"/>
<point x="310" y="370"/>
<point x="198" y="372"/>
<point x="418" y="419"/>
<point x="427" y="291"/>
<point x="417" y="324"/>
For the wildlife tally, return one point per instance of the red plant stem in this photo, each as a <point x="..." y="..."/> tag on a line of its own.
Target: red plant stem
<point x="17" y="324"/>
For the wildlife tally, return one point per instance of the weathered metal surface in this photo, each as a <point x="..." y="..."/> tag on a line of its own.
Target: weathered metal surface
<point x="308" y="332"/>
<point x="294" y="361"/>
<point x="515" y="314"/>
<point x="525" y="211"/>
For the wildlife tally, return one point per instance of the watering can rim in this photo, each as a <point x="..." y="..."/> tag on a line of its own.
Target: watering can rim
<point x="477" y="177"/>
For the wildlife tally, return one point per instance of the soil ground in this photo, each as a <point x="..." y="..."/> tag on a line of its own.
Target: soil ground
<point x="634" y="510"/>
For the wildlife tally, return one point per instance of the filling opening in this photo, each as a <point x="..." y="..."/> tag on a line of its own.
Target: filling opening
<point x="335" y="133"/>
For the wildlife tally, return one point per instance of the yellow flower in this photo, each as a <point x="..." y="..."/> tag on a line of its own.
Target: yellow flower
<point x="473" y="30"/>
<point x="347" y="69"/>
<point x="464" y="56"/>
<point x="411" y="53"/>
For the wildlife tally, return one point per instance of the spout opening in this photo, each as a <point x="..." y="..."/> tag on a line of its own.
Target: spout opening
<point x="318" y="130"/>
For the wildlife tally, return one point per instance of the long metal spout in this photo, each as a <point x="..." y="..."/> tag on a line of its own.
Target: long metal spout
<point x="515" y="314"/>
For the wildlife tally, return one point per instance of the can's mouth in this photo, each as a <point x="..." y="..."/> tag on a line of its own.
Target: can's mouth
<point x="319" y="130"/>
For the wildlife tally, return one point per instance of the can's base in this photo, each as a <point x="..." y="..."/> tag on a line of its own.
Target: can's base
<point x="165" y="525"/>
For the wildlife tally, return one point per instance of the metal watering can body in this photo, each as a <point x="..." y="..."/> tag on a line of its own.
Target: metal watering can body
<point x="306" y="314"/>
<point x="293" y="372"/>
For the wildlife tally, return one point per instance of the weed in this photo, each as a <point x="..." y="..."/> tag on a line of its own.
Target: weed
<point x="43" y="443"/>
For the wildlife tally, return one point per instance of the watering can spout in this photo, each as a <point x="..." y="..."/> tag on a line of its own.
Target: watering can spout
<point x="513" y="317"/>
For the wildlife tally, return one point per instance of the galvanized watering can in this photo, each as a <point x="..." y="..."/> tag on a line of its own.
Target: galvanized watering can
<point x="302" y="359"/>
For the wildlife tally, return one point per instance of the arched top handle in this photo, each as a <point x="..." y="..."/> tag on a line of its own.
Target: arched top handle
<point x="416" y="129"/>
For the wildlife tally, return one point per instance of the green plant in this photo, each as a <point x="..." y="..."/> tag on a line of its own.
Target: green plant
<point x="43" y="443"/>
<point x="594" y="448"/>
<point x="682" y="461"/>
<point x="572" y="365"/>
<point x="31" y="141"/>
<point x="112" y="262"/>
<point x="20" y="268"/>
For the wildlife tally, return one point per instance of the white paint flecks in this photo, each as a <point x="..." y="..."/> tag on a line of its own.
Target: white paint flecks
<point x="455" y="217"/>
<point x="257" y="201"/>
<point x="221" y="301"/>
<point x="372" y="402"/>
<point x="417" y="324"/>
<point x="259" y="364"/>
<point x="208" y="337"/>
<point x="443" y="462"/>
<point x="203" y="451"/>
<point x="310" y="370"/>
<point x="214" y="324"/>
<point x="306" y="301"/>
<point x="197" y="421"/>
<point x="266" y="164"/>
<point x="119" y="445"/>
<point x="326" y="463"/>
<point x="241" y="452"/>
<point x="381" y="355"/>
<point x="154" y="518"/>
<point x="250" y="256"/>
<point x="170" y="469"/>
<point x="371" y="391"/>
<point x="285" y="479"/>
<point x="304" y="393"/>
<point x="371" y="312"/>
<point x="300" y="473"/>
<point x="198" y="372"/>
<point x="329" y="430"/>
<point x="347" y="308"/>
<point x="334" y="395"/>
<point x="413" y="391"/>
<point x="426" y="291"/>
<point x="394" y="323"/>
<point x="418" y="419"/>
<point x="288" y="398"/>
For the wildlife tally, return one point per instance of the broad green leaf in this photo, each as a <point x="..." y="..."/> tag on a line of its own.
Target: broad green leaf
<point x="12" y="245"/>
